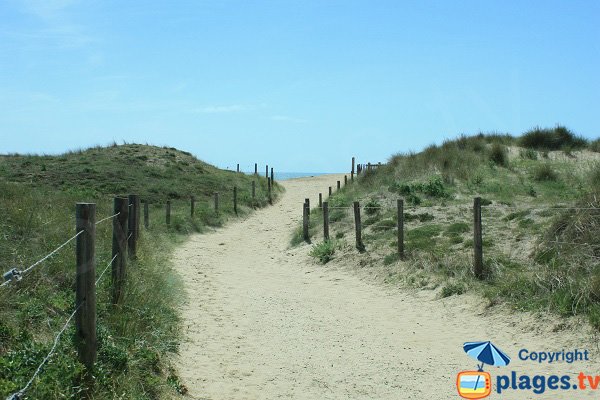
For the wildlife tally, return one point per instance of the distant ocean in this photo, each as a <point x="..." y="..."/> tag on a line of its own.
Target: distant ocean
<point x="282" y="176"/>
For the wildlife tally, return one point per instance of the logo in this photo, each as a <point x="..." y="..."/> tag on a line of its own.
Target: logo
<point x="474" y="384"/>
<point x="478" y="384"/>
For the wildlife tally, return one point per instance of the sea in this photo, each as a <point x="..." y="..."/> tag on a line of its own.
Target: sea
<point x="283" y="176"/>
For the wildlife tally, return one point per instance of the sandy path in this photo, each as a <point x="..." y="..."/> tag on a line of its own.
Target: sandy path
<point x="264" y="322"/>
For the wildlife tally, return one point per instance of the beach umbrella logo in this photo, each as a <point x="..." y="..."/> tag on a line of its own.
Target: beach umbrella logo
<point x="478" y="384"/>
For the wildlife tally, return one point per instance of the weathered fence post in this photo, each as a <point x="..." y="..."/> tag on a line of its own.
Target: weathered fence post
<point x="85" y="281"/>
<point x="352" y="172"/>
<point x="192" y="205"/>
<point x="305" y="217"/>
<point x="477" y="239"/>
<point x="330" y="191"/>
<point x="272" y="177"/>
<point x="269" y="187"/>
<point x="238" y="168"/>
<point x="320" y="200"/>
<point x="359" y="243"/>
<point x="255" y="169"/>
<point x="216" y="202"/>
<point x="253" y="189"/>
<point x="235" y="199"/>
<point x="307" y="201"/>
<point x="119" y="246"/>
<point x="168" y="212"/>
<point x="326" y="220"/>
<point x="146" y="215"/>
<point x="338" y="185"/>
<point x="267" y="171"/>
<point x="401" y="228"/>
<point x="345" y="180"/>
<point x="133" y="225"/>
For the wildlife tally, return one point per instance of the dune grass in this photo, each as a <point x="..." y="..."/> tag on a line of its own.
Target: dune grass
<point x="138" y="337"/>
<point x="537" y="254"/>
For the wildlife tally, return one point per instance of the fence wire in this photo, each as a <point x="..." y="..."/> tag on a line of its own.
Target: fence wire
<point x="17" y="274"/>
<point x="19" y="394"/>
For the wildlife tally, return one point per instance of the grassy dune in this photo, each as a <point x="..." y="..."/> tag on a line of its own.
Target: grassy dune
<point x="541" y="242"/>
<point x="136" y="339"/>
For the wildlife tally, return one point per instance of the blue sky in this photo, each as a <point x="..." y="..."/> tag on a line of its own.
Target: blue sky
<point x="302" y="85"/>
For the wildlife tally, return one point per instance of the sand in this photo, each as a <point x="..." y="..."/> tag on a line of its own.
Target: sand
<point x="263" y="321"/>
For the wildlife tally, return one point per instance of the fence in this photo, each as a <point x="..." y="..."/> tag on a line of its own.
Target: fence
<point x="477" y="221"/>
<point x="127" y="212"/>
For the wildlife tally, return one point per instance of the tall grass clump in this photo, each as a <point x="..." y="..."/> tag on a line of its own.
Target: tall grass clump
<point x="545" y="173"/>
<point x="557" y="138"/>
<point x="499" y="155"/>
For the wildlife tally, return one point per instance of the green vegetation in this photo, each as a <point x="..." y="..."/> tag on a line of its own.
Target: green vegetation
<point x="325" y="250"/>
<point x="538" y="253"/>
<point x="557" y="138"/>
<point x="136" y="338"/>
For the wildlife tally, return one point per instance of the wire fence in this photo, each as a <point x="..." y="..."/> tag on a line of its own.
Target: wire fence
<point x="15" y="274"/>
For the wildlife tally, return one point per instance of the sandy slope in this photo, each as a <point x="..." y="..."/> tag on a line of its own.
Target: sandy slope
<point x="264" y="321"/>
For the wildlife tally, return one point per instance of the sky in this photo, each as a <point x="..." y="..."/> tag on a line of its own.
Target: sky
<point x="302" y="85"/>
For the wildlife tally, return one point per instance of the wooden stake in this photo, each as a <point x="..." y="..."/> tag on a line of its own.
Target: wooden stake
<point x="352" y="173"/>
<point x="133" y="225"/>
<point x="305" y="234"/>
<point x="330" y="191"/>
<point x="235" y="200"/>
<point x="119" y="246"/>
<point x="307" y="201"/>
<point x="85" y="284"/>
<point x="168" y="212"/>
<point x="338" y="185"/>
<point x="358" y="227"/>
<point x="326" y="220"/>
<point x="401" y="228"/>
<point x="320" y="200"/>
<point x="477" y="239"/>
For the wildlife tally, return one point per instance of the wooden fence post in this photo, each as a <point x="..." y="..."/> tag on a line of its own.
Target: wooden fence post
<point x="345" y="180"/>
<point x="238" y="168"/>
<point x="320" y="200"/>
<point x="235" y="200"/>
<point x="269" y="187"/>
<point x="85" y="281"/>
<point x="305" y="217"/>
<point x="216" y="202"/>
<point x="352" y="172"/>
<point x="358" y="227"/>
<point x="168" y="212"/>
<point x="267" y="171"/>
<point x="119" y="246"/>
<point x="338" y="185"/>
<point x="401" y="228"/>
<point x="477" y="239"/>
<point x="133" y="225"/>
<point x="253" y="189"/>
<point x="326" y="220"/>
<point x="330" y="191"/>
<point x="192" y="205"/>
<point x="146" y="215"/>
<point x="307" y="201"/>
<point x="255" y="169"/>
<point x="272" y="177"/>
